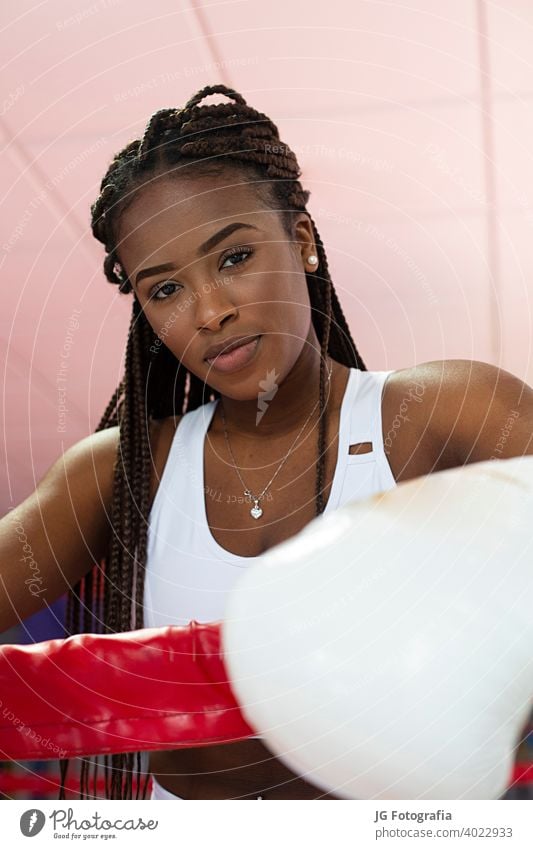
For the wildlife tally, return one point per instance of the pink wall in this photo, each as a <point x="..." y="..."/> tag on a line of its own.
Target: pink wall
<point x="411" y="126"/>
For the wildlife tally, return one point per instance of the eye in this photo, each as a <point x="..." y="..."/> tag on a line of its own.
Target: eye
<point x="155" y="294"/>
<point x="236" y="252"/>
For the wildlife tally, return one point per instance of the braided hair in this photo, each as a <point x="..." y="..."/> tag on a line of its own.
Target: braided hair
<point x="196" y="139"/>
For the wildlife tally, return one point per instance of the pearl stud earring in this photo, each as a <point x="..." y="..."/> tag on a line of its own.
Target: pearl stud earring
<point x="312" y="259"/>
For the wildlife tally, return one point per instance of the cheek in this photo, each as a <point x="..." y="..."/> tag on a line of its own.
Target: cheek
<point x="291" y="308"/>
<point x="171" y="329"/>
<point x="288" y="328"/>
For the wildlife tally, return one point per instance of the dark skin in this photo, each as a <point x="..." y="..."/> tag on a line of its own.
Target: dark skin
<point x="457" y="418"/>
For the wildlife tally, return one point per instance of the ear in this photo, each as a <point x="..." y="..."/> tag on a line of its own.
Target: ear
<point x="304" y="241"/>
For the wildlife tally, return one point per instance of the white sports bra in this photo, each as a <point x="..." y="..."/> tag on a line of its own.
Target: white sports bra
<point x="188" y="574"/>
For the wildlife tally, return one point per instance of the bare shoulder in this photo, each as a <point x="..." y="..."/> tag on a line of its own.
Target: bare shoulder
<point x="51" y="539"/>
<point x="419" y="407"/>
<point x="97" y="451"/>
<point x="447" y="413"/>
<point x="56" y="535"/>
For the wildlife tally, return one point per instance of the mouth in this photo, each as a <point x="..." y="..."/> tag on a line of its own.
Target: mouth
<point x="235" y="359"/>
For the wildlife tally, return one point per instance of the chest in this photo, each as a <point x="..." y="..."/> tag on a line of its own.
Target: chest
<point x="288" y="504"/>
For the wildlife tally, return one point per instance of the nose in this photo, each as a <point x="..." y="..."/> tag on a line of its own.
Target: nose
<point x="213" y="309"/>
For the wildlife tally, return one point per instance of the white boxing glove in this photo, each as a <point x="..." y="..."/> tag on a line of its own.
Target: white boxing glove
<point x="386" y="651"/>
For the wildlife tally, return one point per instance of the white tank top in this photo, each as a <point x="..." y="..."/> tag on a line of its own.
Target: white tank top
<point x="188" y="574"/>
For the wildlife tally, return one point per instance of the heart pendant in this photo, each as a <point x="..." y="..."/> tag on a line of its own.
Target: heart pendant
<point x="256" y="512"/>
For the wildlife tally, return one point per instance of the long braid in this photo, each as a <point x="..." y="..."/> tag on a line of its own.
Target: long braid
<point x="203" y="139"/>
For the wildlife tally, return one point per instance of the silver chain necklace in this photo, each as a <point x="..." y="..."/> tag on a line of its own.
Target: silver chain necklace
<point x="256" y="511"/>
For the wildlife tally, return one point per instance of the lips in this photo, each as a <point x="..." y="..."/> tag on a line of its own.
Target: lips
<point x="237" y="357"/>
<point x="228" y="345"/>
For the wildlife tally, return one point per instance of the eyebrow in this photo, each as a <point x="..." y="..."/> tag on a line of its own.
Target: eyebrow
<point x="204" y="248"/>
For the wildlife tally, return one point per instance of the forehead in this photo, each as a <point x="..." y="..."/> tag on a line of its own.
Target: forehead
<point x="177" y="214"/>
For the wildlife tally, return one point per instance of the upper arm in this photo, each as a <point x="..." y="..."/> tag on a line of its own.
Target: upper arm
<point x="480" y="412"/>
<point x="410" y="405"/>
<point x="447" y="413"/>
<point x="50" y="540"/>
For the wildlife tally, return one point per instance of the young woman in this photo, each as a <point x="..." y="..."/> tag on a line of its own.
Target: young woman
<point x="203" y="460"/>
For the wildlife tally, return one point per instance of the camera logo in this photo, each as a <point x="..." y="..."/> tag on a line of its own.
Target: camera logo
<point x="32" y="822"/>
